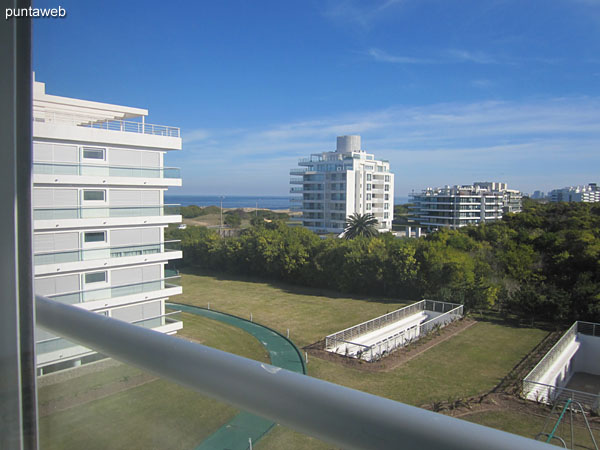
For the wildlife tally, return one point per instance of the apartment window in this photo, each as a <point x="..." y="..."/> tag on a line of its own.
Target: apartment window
<point x="387" y="178"/>
<point x="97" y="195"/>
<point x="369" y="177"/>
<point x="95" y="277"/>
<point x="387" y="197"/>
<point x="368" y="186"/>
<point x="386" y="215"/>
<point x="386" y="206"/>
<point x="368" y="206"/>
<point x="387" y="187"/>
<point x="93" y="153"/>
<point x="369" y="196"/>
<point x="94" y="236"/>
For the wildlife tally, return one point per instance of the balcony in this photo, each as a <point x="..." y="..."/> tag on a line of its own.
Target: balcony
<point x="111" y="124"/>
<point x="57" y="349"/>
<point x="72" y="216"/>
<point x="296" y="180"/>
<point x="101" y="170"/>
<point x="164" y="287"/>
<point x="298" y="171"/>
<point x="161" y="251"/>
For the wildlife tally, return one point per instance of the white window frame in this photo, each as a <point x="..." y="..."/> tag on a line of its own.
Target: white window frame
<point x="95" y="284"/>
<point x="94" y="160"/>
<point x="94" y="244"/>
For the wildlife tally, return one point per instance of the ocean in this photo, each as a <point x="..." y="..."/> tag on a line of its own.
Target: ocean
<point x="230" y="201"/>
<point x="240" y="201"/>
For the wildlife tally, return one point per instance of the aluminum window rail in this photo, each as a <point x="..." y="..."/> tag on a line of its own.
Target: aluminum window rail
<point x="102" y="170"/>
<point x="345" y="417"/>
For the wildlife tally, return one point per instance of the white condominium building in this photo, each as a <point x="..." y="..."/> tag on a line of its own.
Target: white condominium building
<point x="459" y="206"/>
<point x="99" y="216"/>
<point x="335" y="185"/>
<point x="586" y="194"/>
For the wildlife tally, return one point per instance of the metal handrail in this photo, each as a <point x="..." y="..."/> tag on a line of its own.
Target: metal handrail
<point x="345" y="417"/>
<point x="110" y="124"/>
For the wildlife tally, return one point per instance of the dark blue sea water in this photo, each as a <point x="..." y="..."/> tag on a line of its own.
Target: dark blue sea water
<point x="230" y="201"/>
<point x="240" y="201"/>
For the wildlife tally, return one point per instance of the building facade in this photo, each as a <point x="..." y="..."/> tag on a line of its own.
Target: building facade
<point x="99" y="216"/>
<point x="459" y="206"/>
<point x="331" y="186"/>
<point x="586" y="194"/>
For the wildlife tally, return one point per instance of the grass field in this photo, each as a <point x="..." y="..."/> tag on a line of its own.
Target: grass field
<point x="154" y="415"/>
<point x="468" y="364"/>
<point x="161" y="415"/>
<point x="523" y="424"/>
<point x="310" y="314"/>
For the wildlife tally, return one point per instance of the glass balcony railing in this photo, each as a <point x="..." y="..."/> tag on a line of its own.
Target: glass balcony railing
<point x="104" y="170"/>
<point x="104" y="253"/>
<point x="58" y="343"/>
<point x="89" y="212"/>
<point x="116" y="291"/>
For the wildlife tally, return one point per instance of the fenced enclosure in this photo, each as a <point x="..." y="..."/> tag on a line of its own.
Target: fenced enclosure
<point x="370" y="342"/>
<point x="561" y="362"/>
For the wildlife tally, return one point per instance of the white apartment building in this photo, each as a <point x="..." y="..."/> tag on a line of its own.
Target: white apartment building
<point x="459" y="206"/>
<point x="335" y="185"/>
<point x="586" y="194"/>
<point x="99" y="216"/>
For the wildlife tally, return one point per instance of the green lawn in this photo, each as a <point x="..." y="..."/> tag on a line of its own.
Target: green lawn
<point x="470" y="363"/>
<point x="529" y="425"/>
<point x="310" y="314"/>
<point x="158" y="414"/>
<point x="161" y="415"/>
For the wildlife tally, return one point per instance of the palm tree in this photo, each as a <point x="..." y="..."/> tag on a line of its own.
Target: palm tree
<point x="360" y="225"/>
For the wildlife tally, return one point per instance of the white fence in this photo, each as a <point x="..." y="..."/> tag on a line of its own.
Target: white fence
<point x="449" y="313"/>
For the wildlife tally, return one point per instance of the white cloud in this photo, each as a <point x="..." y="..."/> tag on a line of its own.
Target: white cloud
<point x="358" y="12"/>
<point x="195" y="135"/>
<point x="382" y="56"/>
<point x="433" y="144"/>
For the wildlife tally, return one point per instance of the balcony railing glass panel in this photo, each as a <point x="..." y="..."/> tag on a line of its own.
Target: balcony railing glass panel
<point x="102" y="170"/>
<point x="116" y="291"/>
<point x="104" y="253"/>
<point x="84" y="212"/>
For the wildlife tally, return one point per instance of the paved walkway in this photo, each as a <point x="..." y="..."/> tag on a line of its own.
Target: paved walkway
<point x="234" y="435"/>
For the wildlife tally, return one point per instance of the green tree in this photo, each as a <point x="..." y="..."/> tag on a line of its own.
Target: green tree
<point x="360" y="225"/>
<point x="232" y="220"/>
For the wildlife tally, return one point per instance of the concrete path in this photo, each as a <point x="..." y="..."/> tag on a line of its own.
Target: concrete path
<point x="234" y="435"/>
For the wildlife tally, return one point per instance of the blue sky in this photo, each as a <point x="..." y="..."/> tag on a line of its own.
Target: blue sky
<point x="449" y="91"/>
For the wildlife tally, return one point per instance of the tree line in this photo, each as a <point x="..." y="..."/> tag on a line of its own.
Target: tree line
<point x="541" y="264"/>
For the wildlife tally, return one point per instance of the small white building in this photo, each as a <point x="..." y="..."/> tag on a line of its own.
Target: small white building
<point x="570" y="369"/>
<point x="99" y="216"/>
<point x="334" y="185"/>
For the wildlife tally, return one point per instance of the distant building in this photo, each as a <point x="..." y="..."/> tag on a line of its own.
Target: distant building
<point x="538" y="195"/>
<point x="459" y="206"/>
<point x="99" y="216"/>
<point x="586" y="194"/>
<point x="334" y="185"/>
